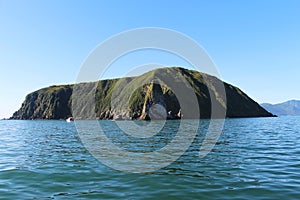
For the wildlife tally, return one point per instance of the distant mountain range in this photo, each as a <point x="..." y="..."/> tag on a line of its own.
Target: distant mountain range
<point x="291" y="108"/>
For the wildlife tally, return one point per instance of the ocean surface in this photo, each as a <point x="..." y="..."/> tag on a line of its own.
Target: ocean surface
<point x="255" y="158"/>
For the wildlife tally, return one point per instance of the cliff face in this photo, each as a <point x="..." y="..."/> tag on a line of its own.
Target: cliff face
<point x="109" y="99"/>
<point x="48" y="103"/>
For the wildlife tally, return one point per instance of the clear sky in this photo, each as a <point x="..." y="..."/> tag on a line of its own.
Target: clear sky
<point x="255" y="44"/>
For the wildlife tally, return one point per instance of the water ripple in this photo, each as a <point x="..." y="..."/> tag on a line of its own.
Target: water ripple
<point x="253" y="159"/>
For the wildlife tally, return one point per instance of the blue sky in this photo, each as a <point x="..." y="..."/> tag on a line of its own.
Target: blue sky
<point x="254" y="44"/>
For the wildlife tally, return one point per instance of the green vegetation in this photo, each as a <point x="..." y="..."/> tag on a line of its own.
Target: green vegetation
<point x="131" y="98"/>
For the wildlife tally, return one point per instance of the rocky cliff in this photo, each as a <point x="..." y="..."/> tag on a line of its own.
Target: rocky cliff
<point x="149" y="96"/>
<point x="48" y="103"/>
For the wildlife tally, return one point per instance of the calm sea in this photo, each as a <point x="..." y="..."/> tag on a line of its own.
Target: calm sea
<point x="257" y="158"/>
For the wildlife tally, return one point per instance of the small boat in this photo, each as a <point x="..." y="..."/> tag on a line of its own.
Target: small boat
<point x="69" y="119"/>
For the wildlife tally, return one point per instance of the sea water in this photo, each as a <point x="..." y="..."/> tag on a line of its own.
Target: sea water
<point x="255" y="158"/>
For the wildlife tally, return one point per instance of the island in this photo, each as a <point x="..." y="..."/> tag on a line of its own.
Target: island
<point x="55" y="102"/>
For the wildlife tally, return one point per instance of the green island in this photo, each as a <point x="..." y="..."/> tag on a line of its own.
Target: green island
<point x="55" y="102"/>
